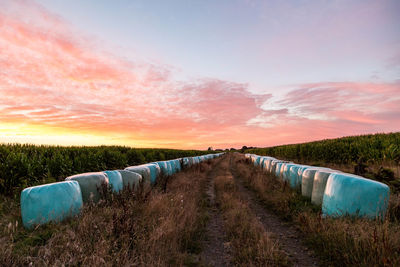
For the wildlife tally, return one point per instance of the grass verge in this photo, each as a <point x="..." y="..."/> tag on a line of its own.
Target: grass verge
<point x="127" y="229"/>
<point x="250" y="244"/>
<point x="344" y="241"/>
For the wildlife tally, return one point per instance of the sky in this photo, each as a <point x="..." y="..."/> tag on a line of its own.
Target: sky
<point x="195" y="74"/>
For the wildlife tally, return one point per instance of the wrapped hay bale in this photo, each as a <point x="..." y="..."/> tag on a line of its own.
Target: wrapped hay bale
<point x="320" y="179"/>
<point x="130" y="179"/>
<point x="347" y="194"/>
<point x="90" y="184"/>
<point x="114" y="180"/>
<point x="50" y="203"/>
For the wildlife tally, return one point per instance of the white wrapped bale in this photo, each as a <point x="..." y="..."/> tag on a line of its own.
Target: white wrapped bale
<point x="130" y="180"/>
<point x="319" y="184"/>
<point x="90" y="184"/>
<point x="144" y="171"/>
<point x="307" y="180"/>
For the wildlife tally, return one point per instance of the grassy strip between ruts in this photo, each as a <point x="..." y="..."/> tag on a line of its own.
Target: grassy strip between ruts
<point x="249" y="243"/>
<point x="128" y="229"/>
<point x="344" y="241"/>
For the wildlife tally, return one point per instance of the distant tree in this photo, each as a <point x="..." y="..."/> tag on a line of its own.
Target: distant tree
<point x="210" y="148"/>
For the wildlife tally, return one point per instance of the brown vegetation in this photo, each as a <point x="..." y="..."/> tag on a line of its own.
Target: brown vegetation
<point x="159" y="229"/>
<point x="251" y="245"/>
<point x="344" y="241"/>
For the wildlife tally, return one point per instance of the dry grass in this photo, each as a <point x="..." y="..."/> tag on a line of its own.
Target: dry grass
<point x="344" y="241"/>
<point x="130" y="229"/>
<point x="250" y="244"/>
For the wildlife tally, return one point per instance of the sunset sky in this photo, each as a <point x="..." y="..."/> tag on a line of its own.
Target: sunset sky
<point x="194" y="74"/>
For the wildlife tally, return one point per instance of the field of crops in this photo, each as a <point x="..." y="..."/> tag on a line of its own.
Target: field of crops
<point x="26" y="165"/>
<point x="374" y="156"/>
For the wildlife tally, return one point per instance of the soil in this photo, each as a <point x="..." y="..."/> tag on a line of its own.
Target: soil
<point x="289" y="238"/>
<point x="215" y="252"/>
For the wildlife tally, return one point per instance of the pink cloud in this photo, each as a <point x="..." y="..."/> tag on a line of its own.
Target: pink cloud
<point x="52" y="76"/>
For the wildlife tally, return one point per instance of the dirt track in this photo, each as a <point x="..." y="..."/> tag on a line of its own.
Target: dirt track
<point x="286" y="235"/>
<point x="214" y="252"/>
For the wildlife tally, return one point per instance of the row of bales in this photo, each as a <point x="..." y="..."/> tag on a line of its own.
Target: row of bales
<point x="339" y="193"/>
<point x="57" y="201"/>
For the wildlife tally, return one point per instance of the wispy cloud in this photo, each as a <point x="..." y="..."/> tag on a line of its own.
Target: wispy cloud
<point x="52" y="77"/>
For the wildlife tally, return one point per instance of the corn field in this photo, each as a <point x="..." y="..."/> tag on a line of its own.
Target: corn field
<point x="27" y="165"/>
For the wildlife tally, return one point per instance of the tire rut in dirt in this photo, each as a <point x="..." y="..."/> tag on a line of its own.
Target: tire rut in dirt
<point x="214" y="251"/>
<point x="288" y="237"/>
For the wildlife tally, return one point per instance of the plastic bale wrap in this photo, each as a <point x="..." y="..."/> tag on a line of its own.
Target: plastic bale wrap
<point x="282" y="169"/>
<point x="286" y="170"/>
<point x="347" y="194"/>
<point x="185" y="162"/>
<point x="114" y="180"/>
<point x="294" y="178"/>
<point x="252" y="158"/>
<point x="261" y="162"/>
<point x="90" y="184"/>
<point x="50" y="203"/>
<point x="130" y="179"/>
<point x="174" y="165"/>
<point x="170" y="168"/>
<point x="257" y="161"/>
<point x="319" y="184"/>
<point x="155" y="171"/>
<point x="273" y="166"/>
<point x="267" y="164"/>
<point x="163" y="167"/>
<point x="307" y="180"/>
<point x="178" y="165"/>
<point x="278" y="169"/>
<point x="144" y="171"/>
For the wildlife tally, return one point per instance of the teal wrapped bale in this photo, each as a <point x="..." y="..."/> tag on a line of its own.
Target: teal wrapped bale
<point x="50" y="203"/>
<point x="267" y="164"/>
<point x="319" y="184"/>
<point x="130" y="180"/>
<point x="155" y="171"/>
<point x="278" y="169"/>
<point x="185" y="162"/>
<point x="273" y="168"/>
<point x="174" y="166"/>
<point x="257" y="161"/>
<point x="307" y="180"/>
<point x="178" y="165"/>
<point x="144" y="171"/>
<point x="90" y="183"/>
<point x="282" y="169"/>
<point x="170" y="168"/>
<point x="294" y="177"/>
<point x="286" y="171"/>
<point x="262" y="165"/>
<point x="114" y="181"/>
<point x="347" y="194"/>
<point x="163" y="167"/>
